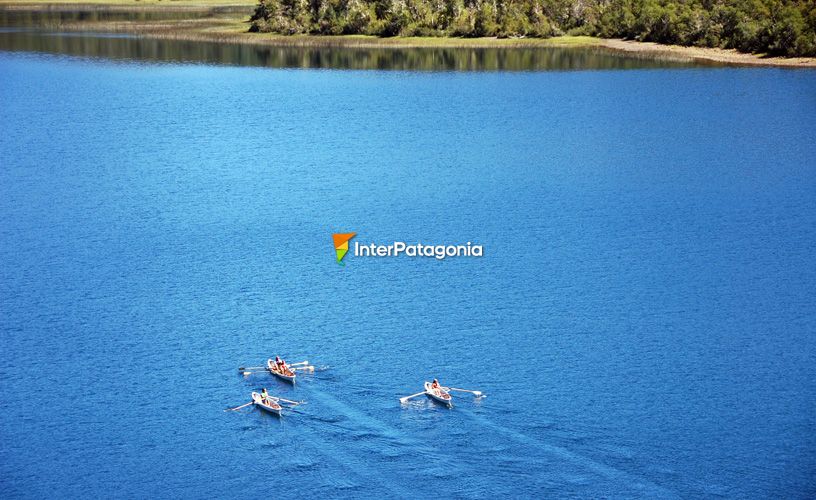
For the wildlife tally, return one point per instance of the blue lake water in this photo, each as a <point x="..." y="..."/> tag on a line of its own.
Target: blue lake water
<point x="642" y="319"/>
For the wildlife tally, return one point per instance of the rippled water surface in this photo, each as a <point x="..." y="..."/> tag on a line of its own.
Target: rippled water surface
<point x="642" y="319"/>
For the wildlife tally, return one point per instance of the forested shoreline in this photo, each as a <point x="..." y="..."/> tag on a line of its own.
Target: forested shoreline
<point x="774" y="27"/>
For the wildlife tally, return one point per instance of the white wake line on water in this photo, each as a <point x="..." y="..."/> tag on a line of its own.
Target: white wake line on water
<point x="362" y="475"/>
<point x="364" y="420"/>
<point x="596" y="467"/>
<point x="398" y="437"/>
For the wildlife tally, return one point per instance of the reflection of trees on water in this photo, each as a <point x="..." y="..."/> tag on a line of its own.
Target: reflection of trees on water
<point x="440" y="59"/>
<point x="56" y="15"/>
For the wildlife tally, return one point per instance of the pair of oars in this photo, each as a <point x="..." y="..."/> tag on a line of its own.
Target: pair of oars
<point x="273" y="398"/>
<point x="243" y="368"/>
<point x="248" y="370"/>
<point x="478" y="394"/>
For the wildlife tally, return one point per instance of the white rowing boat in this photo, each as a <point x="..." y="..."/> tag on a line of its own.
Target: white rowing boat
<point x="288" y="376"/>
<point x="439" y="395"/>
<point x="270" y="404"/>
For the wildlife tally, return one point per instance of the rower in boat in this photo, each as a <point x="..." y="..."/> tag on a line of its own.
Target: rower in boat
<point x="435" y="391"/>
<point x="279" y="368"/>
<point x="267" y="403"/>
<point x="440" y="393"/>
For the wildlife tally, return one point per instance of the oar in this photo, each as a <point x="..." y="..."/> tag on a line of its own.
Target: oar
<point x="406" y="398"/>
<point x="239" y="407"/>
<point x="244" y="368"/>
<point x="288" y="401"/>
<point x="312" y="369"/>
<point x="475" y="393"/>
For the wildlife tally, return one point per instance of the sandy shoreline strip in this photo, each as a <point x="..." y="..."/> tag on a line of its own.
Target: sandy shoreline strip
<point x="727" y="56"/>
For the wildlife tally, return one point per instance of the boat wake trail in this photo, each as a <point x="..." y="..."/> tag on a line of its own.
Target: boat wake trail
<point x="377" y="427"/>
<point x="644" y="487"/>
<point x="362" y="474"/>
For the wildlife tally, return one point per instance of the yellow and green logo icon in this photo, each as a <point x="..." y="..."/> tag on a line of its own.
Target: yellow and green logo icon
<point x="341" y="245"/>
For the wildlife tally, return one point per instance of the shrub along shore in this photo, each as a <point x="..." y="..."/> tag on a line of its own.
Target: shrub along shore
<point x="775" y="27"/>
<point x="243" y="22"/>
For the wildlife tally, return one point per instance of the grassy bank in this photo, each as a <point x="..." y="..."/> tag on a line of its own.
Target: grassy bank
<point x="227" y="21"/>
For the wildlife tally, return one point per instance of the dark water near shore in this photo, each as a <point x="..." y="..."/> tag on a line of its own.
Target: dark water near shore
<point x="127" y="47"/>
<point x="58" y="15"/>
<point x="642" y="320"/>
<point x="45" y="31"/>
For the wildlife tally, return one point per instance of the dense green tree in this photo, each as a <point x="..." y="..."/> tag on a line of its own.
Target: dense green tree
<point x="776" y="27"/>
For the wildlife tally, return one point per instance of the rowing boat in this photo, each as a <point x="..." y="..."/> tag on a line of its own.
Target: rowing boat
<point x="438" y="395"/>
<point x="288" y="376"/>
<point x="271" y="405"/>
